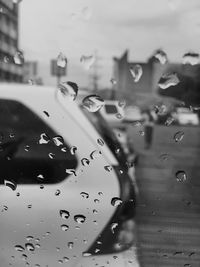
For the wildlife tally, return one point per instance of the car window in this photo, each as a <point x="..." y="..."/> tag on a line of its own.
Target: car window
<point x="31" y="151"/>
<point x="110" y="109"/>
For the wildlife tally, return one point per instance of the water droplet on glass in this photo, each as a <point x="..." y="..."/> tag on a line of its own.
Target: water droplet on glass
<point x="64" y="214"/>
<point x="73" y="150"/>
<point x="113" y="81"/>
<point x="122" y="103"/>
<point x="84" y="195"/>
<point x="29" y="246"/>
<point x="61" y="60"/>
<point x="46" y="113"/>
<point x="19" y="248"/>
<point x="136" y="72"/>
<point x="169" y="121"/>
<point x="5" y="208"/>
<point x="65" y="259"/>
<point x="79" y="218"/>
<point x="161" y="56"/>
<point x="44" y="139"/>
<point x="70" y="245"/>
<point x="24" y="257"/>
<point x="29" y="238"/>
<point x="181" y="176"/>
<point x="64" y="227"/>
<point x="100" y="193"/>
<point x="95" y="154"/>
<point x="178" y="137"/>
<point x="18" y="58"/>
<point x="69" y="90"/>
<point x="96" y="201"/>
<point x="60" y="261"/>
<point x="10" y="183"/>
<point x="116" y="201"/>
<point x="100" y="142"/>
<point x="86" y="254"/>
<point x="57" y="193"/>
<point x="40" y="177"/>
<point x="191" y="58"/>
<point x="58" y="140"/>
<point x="51" y="155"/>
<point x="48" y="233"/>
<point x="41" y="186"/>
<point x="85" y="161"/>
<point x="71" y="171"/>
<point x="142" y="133"/>
<point x="26" y="148"/>
<point x="108" y="168"/>
<point x="17" y="194"/>
<point x="87" y="61"/>
<point x="113" y="226"/>
<point x="37" y="246"/>
<point x="119" y="116"/>
<point x="94" y="211"/>
<point x="93" y="103"/>
<point x="29" y="206"/>
<point x="167" y="80"/>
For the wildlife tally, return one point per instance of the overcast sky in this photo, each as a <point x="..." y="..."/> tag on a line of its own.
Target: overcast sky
<point x="79" y="27"/>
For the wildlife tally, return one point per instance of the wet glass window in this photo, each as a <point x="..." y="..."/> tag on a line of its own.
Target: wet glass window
<point x="29" y="148"/>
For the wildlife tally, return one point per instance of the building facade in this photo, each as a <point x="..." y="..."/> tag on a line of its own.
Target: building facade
<point x="9" y="71"/>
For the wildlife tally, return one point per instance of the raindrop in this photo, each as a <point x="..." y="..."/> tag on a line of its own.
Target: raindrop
<point x="37" y="265"/>
<point x="119" y="116"/>
<point x="178" y="137"/>
<point x="167" y="80"/>
<point x="12" y="135"/>
<point x="37" y="240"/>
<point x="26" y="148"/>
<point x="48" y="233"/>
<point x="57" y="193"/>
<point x="122" y="103"/>
<point x="18" y="58"/>
<point x="17" y="194"/>
<point x="73" y="150"/>
<point x="191" y="58"/>
<point x="69" y="90"/>
<point x="61" y="60"/>
<point x="142" y="133"/>
<point x="84" y="195"/>
<point x="58" y="140"/>
<point x="51" y="155"/>
<point x="44" y="139"/>
<point x="37" y="245"/>
<point x="64" y="214"/>
<point x="161" y="56"/>
<point x="95" y="154"/>
<point x="60" y="261"/>
<point x="113" y="81"/>
<point x="164" y="157"/>
<point x="93" y="103"/>
<point x="10" y="183"/>
<point x="181" y="176"/>
<point x="100" y="193"/>
<point x="46" y="113"/>
<point x="169" y="121"/>
<point x="29" y="206"/>
<point x="108" y="168"/>
<point x="86" y="254"/>
<point x="116" y="201"/>
<point x="94" y="211"/>
<point x="136" y="72"/>
<point x="29" y="238"/>
<point x="113" y="226"/>
<point x="100" y="142"/>
<point x="19" y="248"/>
<point x="96" y="201"/>
<point x="64" y="227"/>
<point x="24" y="257"/>
<point x="65" y="259"/>
<point x="70" y="245"/>
<point x="87" y="61"/>
<point x="79" y="218"/>
<point x="29" y="247"/>
<point x="64" y="149"/>
<point x="6" y="59"/>
<point x="40" y="177"/>
<point x="71" y="171"/>
<point x="85" y="161"/>
<point x="41" y="186"/>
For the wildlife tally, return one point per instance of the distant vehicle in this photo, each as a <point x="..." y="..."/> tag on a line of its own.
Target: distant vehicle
<point x="65" y="190"/>
<point x="112" y="112"/>
<point x="185" y="116"/>
<point x="132" y="114"/>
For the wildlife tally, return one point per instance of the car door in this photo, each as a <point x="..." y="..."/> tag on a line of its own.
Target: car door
<point x="51" y="200"/>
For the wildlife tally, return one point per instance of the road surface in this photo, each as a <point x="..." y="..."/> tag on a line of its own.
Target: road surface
<point x="168" y="213"/>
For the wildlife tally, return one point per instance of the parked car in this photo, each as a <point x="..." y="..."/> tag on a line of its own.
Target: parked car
<point x="113" y="113"/>
<point x="65" y="193"/>
<point x="185" y="116"/>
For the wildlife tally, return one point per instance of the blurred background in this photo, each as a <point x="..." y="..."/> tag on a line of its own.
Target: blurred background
<point x="142" y="58"/>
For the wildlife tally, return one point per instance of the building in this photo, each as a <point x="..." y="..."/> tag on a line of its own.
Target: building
<point x="9" y="71"/>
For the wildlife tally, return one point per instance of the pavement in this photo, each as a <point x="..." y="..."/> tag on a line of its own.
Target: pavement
<point x="168" y="212"/>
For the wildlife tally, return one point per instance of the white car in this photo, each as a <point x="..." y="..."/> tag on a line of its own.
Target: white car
<point x="66" y="197"/>
<point x="185" y="116"/>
